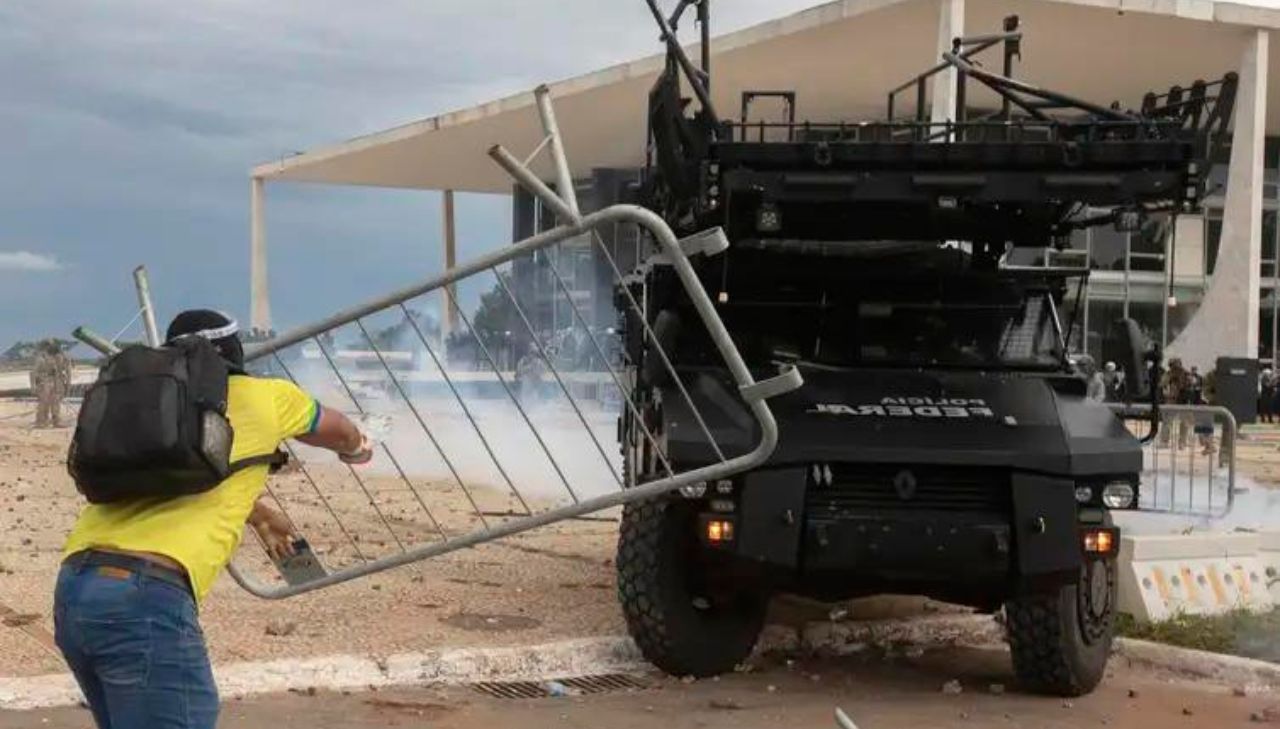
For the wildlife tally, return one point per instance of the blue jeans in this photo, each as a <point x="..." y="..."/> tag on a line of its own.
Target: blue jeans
<point x="135" y="647"/>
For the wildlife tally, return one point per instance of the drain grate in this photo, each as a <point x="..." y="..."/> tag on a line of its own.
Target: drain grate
<point x="578" y="686"/>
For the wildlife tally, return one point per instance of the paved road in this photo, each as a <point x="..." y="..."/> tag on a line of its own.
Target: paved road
<point x="877" y="693"/>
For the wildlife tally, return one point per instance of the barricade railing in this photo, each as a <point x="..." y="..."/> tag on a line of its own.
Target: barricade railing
<point x="1190" y="466"/>
<point x="484" y="432"/>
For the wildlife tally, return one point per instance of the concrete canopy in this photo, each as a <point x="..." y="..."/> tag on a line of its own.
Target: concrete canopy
<point x="841" y="58"/>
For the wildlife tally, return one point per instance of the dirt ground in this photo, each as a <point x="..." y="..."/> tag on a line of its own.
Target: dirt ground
<point x="557" y="582"/>
<point x="1259" y="454"/>
<point x="874" y="692"/>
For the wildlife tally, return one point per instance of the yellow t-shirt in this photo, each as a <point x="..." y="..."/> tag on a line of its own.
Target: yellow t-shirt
<point x="202" y="531"/>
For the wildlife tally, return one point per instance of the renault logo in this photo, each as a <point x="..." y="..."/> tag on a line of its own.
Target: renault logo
<point x="905" y="484"/>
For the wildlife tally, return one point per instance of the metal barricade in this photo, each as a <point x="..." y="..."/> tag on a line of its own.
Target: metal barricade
<point x="476" y="443"/>
<point x="1190" y="466"/>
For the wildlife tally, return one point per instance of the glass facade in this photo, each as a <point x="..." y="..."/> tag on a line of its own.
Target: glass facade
<point x="1138" y="275"/>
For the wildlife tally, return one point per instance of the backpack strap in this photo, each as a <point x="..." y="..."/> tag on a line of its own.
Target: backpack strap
<point x="274" y="461"/>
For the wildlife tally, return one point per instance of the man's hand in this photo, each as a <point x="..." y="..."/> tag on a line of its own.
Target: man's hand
<point x="274" y="530"/>
<point x="362" y="454"/>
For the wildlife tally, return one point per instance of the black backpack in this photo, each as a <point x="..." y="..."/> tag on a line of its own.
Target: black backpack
<point x="154" y="425"/>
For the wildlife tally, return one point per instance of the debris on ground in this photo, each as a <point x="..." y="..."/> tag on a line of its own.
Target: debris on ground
<point x="18" y="620"/>
<point x="557" y="690"/>
<point x="281" y="628"/>
<point x="952" y="688"/>
<point x="1269" y="715"/>
<point x="725" y="705"/>
<point x="996" y="689"/>
<point x="418" y="708"/>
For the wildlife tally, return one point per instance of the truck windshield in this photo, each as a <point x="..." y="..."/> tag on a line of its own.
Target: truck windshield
<point x="884" y="328"/>
<point x="958" y="333"/>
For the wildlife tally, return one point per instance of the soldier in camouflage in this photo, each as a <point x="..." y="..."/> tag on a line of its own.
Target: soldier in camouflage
<point x="50" y="381"/>
<point x="1175" y="389"/>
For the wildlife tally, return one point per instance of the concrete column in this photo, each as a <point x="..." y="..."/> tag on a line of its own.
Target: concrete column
<point x="950" y="25"/>
<point x="450" y="322"/>
<point x="1227" y="322"/>
<point x="259" y="293"/>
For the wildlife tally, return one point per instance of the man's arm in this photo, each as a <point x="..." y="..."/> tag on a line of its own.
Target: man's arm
<point x="335" y="432"/>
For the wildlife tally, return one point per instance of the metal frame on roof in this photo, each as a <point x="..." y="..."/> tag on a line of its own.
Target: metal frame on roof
<point x="290" y="168"/>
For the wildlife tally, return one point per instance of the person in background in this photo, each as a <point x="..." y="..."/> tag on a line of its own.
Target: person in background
<point x="1196" y="395"/>
<point x="50" y="382"/>
<point x="135" y="572"/>
<point x="1174" y="389"/>
<point x="1274" y="400"/>
<point x="1113" y="380"/>
<point x="1095" y="384"/>
<point x="1195" y="387"/>
<point x="1266" y="396"/>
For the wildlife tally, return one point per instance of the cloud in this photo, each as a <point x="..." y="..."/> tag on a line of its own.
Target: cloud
<point x="27" y="261"/>
<point x="140" y="121"/>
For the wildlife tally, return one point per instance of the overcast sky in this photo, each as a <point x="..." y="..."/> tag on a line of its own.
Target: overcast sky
<point x="131" y="125"/>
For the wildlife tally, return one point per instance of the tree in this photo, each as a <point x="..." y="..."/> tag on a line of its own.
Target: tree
<point x="402" y="335"/>
<point x="22" y="351"/>
<point x="496" y="320"/>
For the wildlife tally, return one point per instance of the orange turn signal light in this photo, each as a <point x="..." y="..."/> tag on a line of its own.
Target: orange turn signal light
<point x="719" y="530"/>
<point x="1099" y="541"/>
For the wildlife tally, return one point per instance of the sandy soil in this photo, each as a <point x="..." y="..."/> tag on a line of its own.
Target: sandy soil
<point x="885" y="694"/>
<point x="557" y="582"/>
<point x="553" y="583"/>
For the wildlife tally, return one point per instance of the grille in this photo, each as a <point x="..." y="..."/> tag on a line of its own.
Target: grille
<point x="577" y="686"/>
<point x="859" y="488"/>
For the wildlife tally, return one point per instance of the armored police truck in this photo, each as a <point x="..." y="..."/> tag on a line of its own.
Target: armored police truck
<point x="942" y="443"/>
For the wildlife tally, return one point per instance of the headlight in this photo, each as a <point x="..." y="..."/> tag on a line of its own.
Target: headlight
<point x="1084" y="494"/>
<point x="1118" y="495"/>
<point x="694" y="490"/>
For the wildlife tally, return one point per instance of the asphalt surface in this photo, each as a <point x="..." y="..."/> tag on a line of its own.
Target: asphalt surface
<point x="877" y="692"/>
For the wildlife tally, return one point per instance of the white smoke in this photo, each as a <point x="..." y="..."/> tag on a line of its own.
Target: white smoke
<point x="462" y="425"/>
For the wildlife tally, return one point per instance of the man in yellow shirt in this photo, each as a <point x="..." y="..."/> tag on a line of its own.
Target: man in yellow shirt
<point x="126" y="603"/>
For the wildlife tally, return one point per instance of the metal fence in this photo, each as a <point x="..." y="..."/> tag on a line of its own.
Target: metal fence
<point x="1190" y="466"/>
<point x="488" y="445"/>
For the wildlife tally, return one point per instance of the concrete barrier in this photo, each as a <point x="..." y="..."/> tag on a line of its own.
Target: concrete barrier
<point x="1161" y="576"/>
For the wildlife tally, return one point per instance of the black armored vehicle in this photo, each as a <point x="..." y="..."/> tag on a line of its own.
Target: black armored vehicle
<point x="942" y="443"/>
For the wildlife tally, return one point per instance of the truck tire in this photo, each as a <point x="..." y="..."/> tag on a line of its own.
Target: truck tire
<point x="678" y="627"/>
<point x="1060" y="641"/>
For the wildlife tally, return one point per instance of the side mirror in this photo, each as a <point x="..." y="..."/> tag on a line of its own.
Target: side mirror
<point x="1136" y="353"/>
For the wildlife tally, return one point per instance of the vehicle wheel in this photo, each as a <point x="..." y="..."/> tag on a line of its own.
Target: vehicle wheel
<point x="1061" y="641"/>
<point x="681" y="625"/>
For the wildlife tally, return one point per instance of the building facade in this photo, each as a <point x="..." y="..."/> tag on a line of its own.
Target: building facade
<point x="1204" y="286"/>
